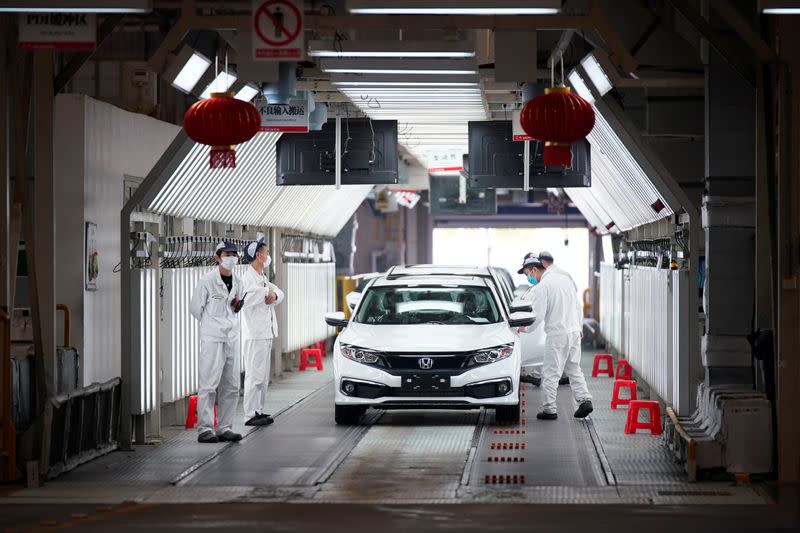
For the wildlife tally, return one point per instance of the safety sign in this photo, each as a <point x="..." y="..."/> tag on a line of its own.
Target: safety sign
<point x="285" y="118"/>
<point x="519" y="133"/>
<point x="445" y="161"/>
<point x="278" y="30"/>
<point x="57" y="31"/>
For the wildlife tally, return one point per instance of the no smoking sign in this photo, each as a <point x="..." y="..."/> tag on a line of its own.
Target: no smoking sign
<point x="278" y="30"/>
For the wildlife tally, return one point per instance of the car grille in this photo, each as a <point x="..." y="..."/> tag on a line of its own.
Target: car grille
<point x="441" y="363"/>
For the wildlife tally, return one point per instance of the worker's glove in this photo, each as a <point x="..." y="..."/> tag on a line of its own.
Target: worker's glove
<point x="237" y="304"/>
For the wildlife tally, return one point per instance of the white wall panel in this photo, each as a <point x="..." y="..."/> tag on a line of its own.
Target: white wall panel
<point x="95" y="146"/>
<point x="310" y="293"/>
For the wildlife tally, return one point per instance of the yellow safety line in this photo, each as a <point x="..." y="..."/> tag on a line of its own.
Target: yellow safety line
<point x="93" y="518"/>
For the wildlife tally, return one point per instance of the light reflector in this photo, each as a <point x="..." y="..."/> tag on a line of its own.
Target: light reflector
<point x="389" y="49"/>
<point x="194" y="66"/>
<point x="247" y="93"/>
<point x="221" y="84"/>
<point x="580" y="86"/>
<point x="454" y="7"/>
<point x="596" y="74"/>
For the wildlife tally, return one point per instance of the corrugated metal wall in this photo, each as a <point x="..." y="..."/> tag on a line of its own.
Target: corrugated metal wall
<point x="643" y="318"/>
<point x="312" y="287"/>
<point x="144" y="335"/>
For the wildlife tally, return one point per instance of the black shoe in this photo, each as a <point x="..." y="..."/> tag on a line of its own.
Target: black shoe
<point x="229" y="436"/>
<point x="207" y="437"/>
<point x="584" y="409"/>
<point x="563" y="381"/>
<point x="547" y="416"/>
<point x="266" y="419"/>
<point x="257" y="420"/>
<point x="533" y="380"/>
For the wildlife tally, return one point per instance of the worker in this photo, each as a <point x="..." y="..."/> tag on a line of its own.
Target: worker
<point x="529" y="259"/>
<point x="216" y="302"/>
<point x="259" y="328"/>
<point x="556" y="306"/>
<point x="547" y="260"/>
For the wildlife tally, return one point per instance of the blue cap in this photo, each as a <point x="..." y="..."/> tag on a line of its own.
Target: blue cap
<point x="226" y="246"/>
<point x="252" y="248"/>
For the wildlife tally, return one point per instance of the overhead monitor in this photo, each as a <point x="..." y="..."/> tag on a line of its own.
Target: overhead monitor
<point x="496" y="160"/>
<point x="445" y="194"/>
<point x="369" y="154"/>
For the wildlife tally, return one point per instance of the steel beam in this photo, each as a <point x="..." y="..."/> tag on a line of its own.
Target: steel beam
<point x="79" y="59"/>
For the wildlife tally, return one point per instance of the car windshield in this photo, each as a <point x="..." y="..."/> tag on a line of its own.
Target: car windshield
<point x="428" y="305"/>
<point x="361" y="284"/>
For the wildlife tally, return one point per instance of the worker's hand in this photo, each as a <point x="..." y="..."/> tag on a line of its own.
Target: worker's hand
<point x="581" y="332"/>
<point x="522" y="330"/>
<point x="270" y="298"/>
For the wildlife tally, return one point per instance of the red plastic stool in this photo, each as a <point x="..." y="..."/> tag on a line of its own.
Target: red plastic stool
<point x="633" y="423"/>
<point x="310" y="353"/>
<point x="624" y="370"/>
<point x="191" y="415"/>
<point x="609" y="367"/>
<point x="619" y="385"/>
<point x="322" y="348"/>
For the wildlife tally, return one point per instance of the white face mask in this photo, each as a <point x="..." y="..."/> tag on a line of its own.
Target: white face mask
<point x="229" y="262"/>
<point x="268" y="261"/>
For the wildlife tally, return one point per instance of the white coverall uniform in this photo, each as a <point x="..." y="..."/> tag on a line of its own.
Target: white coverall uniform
<point x="259" y="328"/>
<point x="556" y="304"/>
<point x="218" y="364"/>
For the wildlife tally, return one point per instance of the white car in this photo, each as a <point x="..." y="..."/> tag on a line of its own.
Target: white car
<point x="421" y="339"/>
<point x="352" y="298"/>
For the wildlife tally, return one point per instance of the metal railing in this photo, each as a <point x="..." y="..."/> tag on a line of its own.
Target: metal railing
<point x="310" y="289"/>
<point x="84" y="424"/>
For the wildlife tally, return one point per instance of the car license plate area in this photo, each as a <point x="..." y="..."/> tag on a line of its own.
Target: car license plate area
<point x="425" y="382"/>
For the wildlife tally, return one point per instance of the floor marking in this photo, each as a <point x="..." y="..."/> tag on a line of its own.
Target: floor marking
<point x="106" y="515"/>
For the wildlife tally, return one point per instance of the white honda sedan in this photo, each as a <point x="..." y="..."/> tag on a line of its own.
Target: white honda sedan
<point x="438" y="341"/>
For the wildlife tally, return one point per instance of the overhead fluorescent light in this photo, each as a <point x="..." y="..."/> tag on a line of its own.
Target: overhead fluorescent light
<point x="187" y="69"/>
<point x="221" y="84"/>
<point x="596" y="74"/>
<point x="454" y="7"/>
<point x="76" y="6"/>
<point x="780" y="7"/>
<point x="425" y="67"/>
<point x="580" y="86"/>
<point x="389" y="49"/>
<point x="247" y="93"/>
<point x="404" y="84"/>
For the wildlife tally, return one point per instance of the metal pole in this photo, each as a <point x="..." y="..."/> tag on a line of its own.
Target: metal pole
<point x="338" y="152"/>
<point x="526" y="166"/>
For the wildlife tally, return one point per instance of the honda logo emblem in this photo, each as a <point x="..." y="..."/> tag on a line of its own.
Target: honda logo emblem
<point x="425" y="363"/>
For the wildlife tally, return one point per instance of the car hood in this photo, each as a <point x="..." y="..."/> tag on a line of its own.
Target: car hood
<point x="427" y="338"/>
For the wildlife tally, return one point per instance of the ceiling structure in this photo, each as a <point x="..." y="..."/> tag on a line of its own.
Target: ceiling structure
<point x="435" y="73"/>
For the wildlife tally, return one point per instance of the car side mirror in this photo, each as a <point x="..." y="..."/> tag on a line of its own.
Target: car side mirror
<point x="521" y="306"/>
<point x="521" y="320"/>
<point x="336" y="320"/>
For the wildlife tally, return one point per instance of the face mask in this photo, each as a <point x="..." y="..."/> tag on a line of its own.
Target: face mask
<point x="268" y="261"/>
<point x="532" y="280"/>
<point x="229" y="262"/>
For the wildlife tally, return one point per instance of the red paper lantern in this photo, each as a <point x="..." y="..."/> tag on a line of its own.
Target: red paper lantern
<point x="559" y="118"/>
<point x="221" y="122"/>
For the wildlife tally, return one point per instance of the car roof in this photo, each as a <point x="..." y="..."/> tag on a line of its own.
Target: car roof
<point x="432" y="279"/>
<point x="430" y="270"/>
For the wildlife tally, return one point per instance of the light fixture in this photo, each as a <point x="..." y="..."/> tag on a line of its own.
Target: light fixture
<point x="426" y="67"/>
<point x="79" y="6"/>
<point x="187" y="69"/>
<point x="596" y="74"/>
<point x="387" y="49"/>
<point x="247" y="92"/>
<point x="780" y="7"/>
<point x="403" y="80"/>
<point x="404" y="84"/>
<point x="454" y="7"/>
<point x="220" y="84"/>
<point x="577" y="83"/>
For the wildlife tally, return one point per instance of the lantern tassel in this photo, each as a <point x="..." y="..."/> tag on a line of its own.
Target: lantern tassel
<point x="558" y="155"/>
<point x="222" y="157"/>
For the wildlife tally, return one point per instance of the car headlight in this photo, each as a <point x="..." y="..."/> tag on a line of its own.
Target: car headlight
<point x="492" y="355"/>
<point x="361" y="355"/>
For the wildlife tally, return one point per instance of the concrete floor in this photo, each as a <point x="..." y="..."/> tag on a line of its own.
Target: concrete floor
<point x="399" y="469"/>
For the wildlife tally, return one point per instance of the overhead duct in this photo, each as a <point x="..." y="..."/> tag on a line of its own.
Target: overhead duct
<point x="318" y="117"/>
<point x="284" y="89"/>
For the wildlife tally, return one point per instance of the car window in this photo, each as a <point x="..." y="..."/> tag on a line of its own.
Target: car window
<point x="362" y="284"/>
<point x="428" y="305"/>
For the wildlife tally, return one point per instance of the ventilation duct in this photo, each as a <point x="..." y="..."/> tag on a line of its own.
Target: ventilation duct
<point x="284" y="89"/>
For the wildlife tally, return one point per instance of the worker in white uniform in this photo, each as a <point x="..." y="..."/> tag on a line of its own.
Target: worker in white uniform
<point x="556" y="306"/>
<point x="259" y="328"/>
<point x="528" y="260"/>
<point x="216" y="302"/>
<point x="547" y="260"/>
